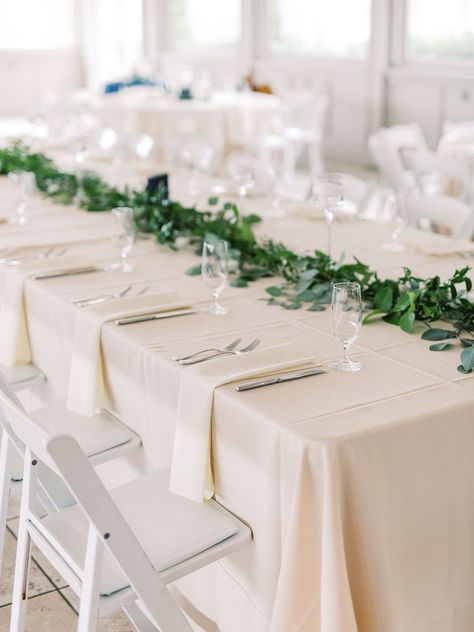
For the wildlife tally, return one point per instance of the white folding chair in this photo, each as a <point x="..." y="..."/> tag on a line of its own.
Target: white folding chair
<point x="103" y="437"/>
<point x="117" y="549"/>
<point x="303" y="129"/>
<point x="391" y="149"/>
<point x="22" y="376"/>
<point x="444" y="212"/>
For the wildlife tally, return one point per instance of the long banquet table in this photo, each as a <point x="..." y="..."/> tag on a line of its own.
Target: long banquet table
<point x="359" y="488"/>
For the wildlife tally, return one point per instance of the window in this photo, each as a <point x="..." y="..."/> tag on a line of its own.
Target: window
<point x="441" y="30"/>
<point x="206" y="24"/>
<point x="340" y="28"/>
<point x="37" y="24"/>
<point x="118" y="26"/>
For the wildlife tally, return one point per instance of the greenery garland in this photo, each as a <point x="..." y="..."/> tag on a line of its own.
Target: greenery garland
<point x="308" y="279"/>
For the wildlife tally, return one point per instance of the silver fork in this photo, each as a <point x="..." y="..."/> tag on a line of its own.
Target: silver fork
<point x="230" y="347"/>
<point x="250" y="347"/>
<point x="101" y="298"/>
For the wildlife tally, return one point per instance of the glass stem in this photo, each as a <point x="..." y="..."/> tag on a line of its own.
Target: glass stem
<point x="216" y="298"/>
<point x="329" y="223"/>
<point x="346" y="352"/>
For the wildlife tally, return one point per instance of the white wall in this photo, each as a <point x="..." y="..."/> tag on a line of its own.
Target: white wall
<point x="27" y="76"/>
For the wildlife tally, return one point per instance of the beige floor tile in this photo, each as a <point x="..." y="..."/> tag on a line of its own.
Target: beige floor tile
<point x="41" y="561"/>
<point x="116" y="622"/>
<point x="46" y="613"/>
<point x="38" y="584"/>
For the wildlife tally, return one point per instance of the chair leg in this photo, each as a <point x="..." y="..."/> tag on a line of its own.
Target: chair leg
<point x="20" y="585"/>
<point x="5" y="485"/>
<point x="90" y="594"/>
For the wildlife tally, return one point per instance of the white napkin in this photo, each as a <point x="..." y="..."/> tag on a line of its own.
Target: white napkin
<point x="191" y="474"/>
<point x="14" y="341"/>
<point x="86" y="380"/>
<point x="445" y="248"/>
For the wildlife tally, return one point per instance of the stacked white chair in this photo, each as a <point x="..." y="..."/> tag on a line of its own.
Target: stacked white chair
<point x="392" y="148"/>
<point x="118" y="549"/>
<point x="304" y="128"/>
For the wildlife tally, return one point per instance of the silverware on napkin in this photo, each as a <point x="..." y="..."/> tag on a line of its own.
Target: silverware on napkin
<point x="282" y="377"/>
<point x="159" y="315"/>
<point x="60" y="273"/>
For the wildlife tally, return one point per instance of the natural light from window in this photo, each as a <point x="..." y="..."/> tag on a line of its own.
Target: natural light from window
<point x="37" y="24"/>
<point x="440" y="30"/>
<point x="206" y="24"/>
<point x="339" y="28"/>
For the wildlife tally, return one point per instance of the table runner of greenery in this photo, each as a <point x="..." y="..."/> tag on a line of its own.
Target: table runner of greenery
<point x="410" y="302"/>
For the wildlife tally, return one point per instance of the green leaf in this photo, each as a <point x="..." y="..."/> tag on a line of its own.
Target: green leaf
<point x="316" y="307"/>
<point x="194" y="271"/>
<point x="467" y="342"/>
<point x="440" y="346"/>
<point x="371" y="315"/>
<point x="403" y="302"/>
<point x="239" y="282"/>
<point x="438" y="334"/>
<point x="406" y="321"/>
<point x="383" y="298"/>
<point x="305" y="297"/>
<point x="292" y="305"/>
<point x="274" y="291"/>
<point x="462" y="370"/>
<point x="307" y="275"/>
<point x="467" y="358"/>
<point x="213" y="201"/>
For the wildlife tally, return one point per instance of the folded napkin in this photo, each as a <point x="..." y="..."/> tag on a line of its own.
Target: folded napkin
<point x="14" y="341"/>
<point x="86" y="380"/>
<point x="445" y="248"/>
<point x="191" y="474"/>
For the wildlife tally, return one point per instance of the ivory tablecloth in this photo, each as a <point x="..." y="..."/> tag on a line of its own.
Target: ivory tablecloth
<point x="359" y="488"/>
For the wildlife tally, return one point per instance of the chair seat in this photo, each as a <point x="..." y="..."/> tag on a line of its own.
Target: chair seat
<point x="21" y="376"/>
<point x="96" y="435"/>
<point x="160" y="521"/>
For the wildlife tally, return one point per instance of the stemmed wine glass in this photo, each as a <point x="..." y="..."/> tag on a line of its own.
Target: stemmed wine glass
<point x="241" y="173"/>
<point x="346" y="322"/>
<point x="27" y="186"/>
<point x="214" y="272"/>
<point x="393" y="213"/>
<point x="328" y="192"/>
<point x="124" y="236"/>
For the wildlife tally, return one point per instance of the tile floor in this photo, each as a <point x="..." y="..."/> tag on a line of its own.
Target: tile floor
<point x="52" y="606"/>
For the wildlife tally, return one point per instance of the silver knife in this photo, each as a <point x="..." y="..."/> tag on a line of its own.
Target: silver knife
<point x="158" y="316"/>
<point x="60" y="273"/>
<point x="276" y="379"/>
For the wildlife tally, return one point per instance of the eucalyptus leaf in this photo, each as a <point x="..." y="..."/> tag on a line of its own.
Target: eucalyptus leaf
<point x="194" y="271"/>
<point x="274" y="291"/>
<point x="383" y="298"/>
<point x="435" y="333"/>
<point x="467" y="358"/>
<point x="440" y="346"/>
<point x="238" y="282"/>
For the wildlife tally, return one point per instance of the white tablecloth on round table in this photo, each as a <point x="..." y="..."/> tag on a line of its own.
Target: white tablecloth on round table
<point x="359" y="488"/>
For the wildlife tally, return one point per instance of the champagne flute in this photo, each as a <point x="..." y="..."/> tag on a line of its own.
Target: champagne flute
<point x="328" y="192"/>
<point x="346" y="322"/>
<point x="123" y="236"/>
<point x="241" y="173"/>
<point x="27" y="186"/>
<point x="214" y="272"/>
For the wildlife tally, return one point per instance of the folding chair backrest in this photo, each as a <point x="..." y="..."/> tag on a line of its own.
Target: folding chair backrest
<point x="114" y="532"/>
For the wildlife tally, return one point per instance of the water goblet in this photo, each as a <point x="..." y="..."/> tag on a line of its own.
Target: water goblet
<point x="328" y="192"/>
<point x="393" y="213"/>
<point x="123" y="236"/>
<point x="346" y="321"/>
<point x="214" y="273"/>
<point x="241" y="173"/>
<point x="26" y="182"/>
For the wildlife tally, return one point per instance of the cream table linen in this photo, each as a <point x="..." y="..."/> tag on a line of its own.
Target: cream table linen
<point x="14" y="341"/>
<point x="191" y="472"/>
<point x="86" y="382"/>
<point x="359" y="488"/>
